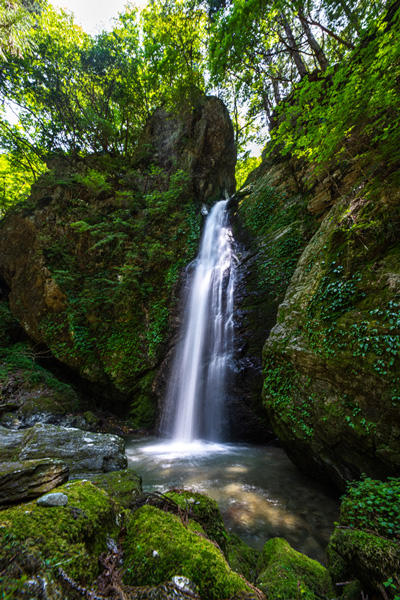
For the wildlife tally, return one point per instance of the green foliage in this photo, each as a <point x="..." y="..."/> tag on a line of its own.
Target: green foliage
<point x="373" y="506"/>
<point x="348" y="112"/>
<point x="15" y="183"/>
<point x="94" y="181"/>
<point x="244" y="167"/>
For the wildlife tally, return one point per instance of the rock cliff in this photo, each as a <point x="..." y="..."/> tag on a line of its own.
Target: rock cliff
<point x="92" y="260"/>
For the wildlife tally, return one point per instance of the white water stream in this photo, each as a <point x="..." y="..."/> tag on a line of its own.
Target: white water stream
<point x="197" y="386"/>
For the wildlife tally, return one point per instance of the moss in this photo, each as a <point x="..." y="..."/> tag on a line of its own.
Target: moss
<point x="28" y="385"/>
<point x="72" y="536"/>
<point x="205" y="511"/>
<point x="286" y="574"/>
<point x="117" y="264"/>
<point x="143" y="408"/>
<point x="356" y="554"/>
<point x="122" y="486"/>
<point x="242" y="558"/>
<point x="365" y="544"/>
<point x="180" y="551"/>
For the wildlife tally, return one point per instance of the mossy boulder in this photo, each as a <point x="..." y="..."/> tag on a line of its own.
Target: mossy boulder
<point x="286" y="574"/>
<point x="204" y="510"/>
<point x="272" y="226"/>
<point x="366" y="542"/>
<point x="159" y="546"/>
<point x="122" y="486"/>
<point x="31" y="394"/>
<point x="73" y="535"/>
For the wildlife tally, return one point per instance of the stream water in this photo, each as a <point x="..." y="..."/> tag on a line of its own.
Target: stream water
<point x="259" y="492"/>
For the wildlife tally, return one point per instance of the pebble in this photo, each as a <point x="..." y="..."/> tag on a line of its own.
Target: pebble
<point x="56" y="499"/>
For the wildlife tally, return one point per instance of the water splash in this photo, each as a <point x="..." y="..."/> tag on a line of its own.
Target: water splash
<point x="197" y="387"/>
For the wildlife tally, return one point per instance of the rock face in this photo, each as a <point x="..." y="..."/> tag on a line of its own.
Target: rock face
<point x="82" y="451"/>
<point x="104" y="244"/>
<point x="29" y="479"/>
<point x="331" y="368"/>
<point x="272" y="225"/>
<point x="201" y="141"/>
<point x="331" y="363"/>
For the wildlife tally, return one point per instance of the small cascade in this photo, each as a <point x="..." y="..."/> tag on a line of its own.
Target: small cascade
<point x="197" y="387"/>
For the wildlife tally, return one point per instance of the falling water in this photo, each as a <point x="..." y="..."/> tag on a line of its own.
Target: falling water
<point x="197" y="385"/>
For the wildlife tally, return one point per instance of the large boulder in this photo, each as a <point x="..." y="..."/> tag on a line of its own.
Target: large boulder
<point x="83" y="452"/>
<point x="29" y="479"/>
<point x="36" y="540"/>
<point x="104" y="241"/>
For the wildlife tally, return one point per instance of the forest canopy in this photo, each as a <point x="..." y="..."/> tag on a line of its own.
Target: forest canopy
<point x="310" y="75"/>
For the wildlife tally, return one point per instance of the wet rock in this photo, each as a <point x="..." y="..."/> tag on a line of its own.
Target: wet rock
<point x="56" y="499"/>
<point x="20" y="481"/>
<point x="83" y="452"/>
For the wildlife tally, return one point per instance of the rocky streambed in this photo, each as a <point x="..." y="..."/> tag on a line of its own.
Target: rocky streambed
<point x="63" y="537"/>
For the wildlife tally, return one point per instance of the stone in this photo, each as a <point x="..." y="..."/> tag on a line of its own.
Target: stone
<point x="21" y="481"/>
<point x="56" y="499"/>
<point x="83" y="452"/>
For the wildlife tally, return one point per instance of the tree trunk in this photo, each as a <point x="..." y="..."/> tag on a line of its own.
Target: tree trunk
<point x="316" y="48"/>
<point x="294" y="51"/>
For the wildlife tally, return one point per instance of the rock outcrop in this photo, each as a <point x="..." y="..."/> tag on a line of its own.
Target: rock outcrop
<point x="330" y="257"/>
<point x="92" y="260"/>
<point x="20" y="481"/>
<point x="82" y="451"/>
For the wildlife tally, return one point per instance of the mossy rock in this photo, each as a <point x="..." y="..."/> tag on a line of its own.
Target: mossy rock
<point x="31" y="393"/>
<point x="286" y="574"/>
<point x="159" y="546"/>
<point x="122" y="486"/>
<point x="72" y="536"/>
<point x="366" y="542"/>
<point x="242" y="558"/>
<point x="205" y="511"/>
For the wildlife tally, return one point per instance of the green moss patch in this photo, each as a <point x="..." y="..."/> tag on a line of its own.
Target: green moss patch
<point x="205" y="511"/>
<point x="71" y="536"/>
<point x="286" y="574"/>
<point x="158" y="546"/>
<point x="122" y="486"/>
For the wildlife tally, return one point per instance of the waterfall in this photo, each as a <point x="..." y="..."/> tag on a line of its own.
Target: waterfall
<point x="197" y="386"/>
